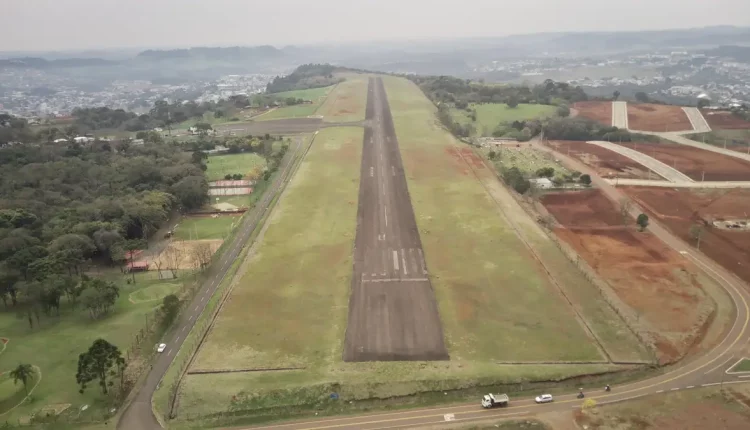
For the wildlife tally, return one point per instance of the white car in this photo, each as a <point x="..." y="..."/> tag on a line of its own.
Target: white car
<point x="162" y="347"/>
<point x="544" y="398"/>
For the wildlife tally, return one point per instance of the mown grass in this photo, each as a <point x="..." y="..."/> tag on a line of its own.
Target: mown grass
<point x="495" y="301"/>
<point x="217" y="166"/>
<point x="54" y="346"/>
<point x="205" y="227"/>
<point x="489" y="115"/>
<point x="297" y="111"/>
<point x="742" y="366"/>
<point x="347" y="101"/>
<point x="313" y="94"/>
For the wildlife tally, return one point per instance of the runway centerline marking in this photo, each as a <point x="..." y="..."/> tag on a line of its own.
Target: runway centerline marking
<point x="385" y="209"/>
<point x="395" y="260"/>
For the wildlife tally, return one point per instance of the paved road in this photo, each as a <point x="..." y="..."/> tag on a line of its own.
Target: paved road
<point x="669" y="173"/>
<point x="667" y="184"/>
<point x="393" y="313"/>
<point x="699" y="123"/>
<point x="620" y="114"/>
<point x="138" y="415"/>
<point x="708" y="369"/>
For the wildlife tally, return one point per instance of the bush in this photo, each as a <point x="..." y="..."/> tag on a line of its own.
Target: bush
<point x="585" y="179"/>
<point x="515" y="179"/>
<point x="545" y="172"/>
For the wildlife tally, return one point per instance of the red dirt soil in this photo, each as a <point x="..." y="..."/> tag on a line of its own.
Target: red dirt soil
<point x="648" y="276"/>
<point x="608" y="164"/>
<point x="652" y="117"/>
<point x="679" y="209"/>
<point x="587" y="208"/>
<point x="693" y="161"/>
<point x="724" y="120"/>
<point x="598" y="111"/>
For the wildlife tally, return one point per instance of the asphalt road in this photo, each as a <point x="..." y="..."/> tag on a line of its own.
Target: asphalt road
<point x="139" y="415"/>
<point x="393" y="313"/>
<point x="704" y="370"/>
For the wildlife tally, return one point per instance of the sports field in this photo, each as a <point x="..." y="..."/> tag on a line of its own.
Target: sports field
<point x="205" y="227"/>
<point x="490" y="115"/>
<point x="220" y="165"/>
<point x="347" y="101"/>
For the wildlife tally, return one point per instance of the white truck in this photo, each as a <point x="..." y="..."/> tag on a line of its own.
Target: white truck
<point x="495" y="401"/>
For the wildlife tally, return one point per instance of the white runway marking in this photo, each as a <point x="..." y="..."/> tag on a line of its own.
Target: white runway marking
<point x="403" y="261"/>
<point x="395" y="260"/>
<point x="364" y="281"/>
<point x="372" y="171"/>
<point x="722" y="364"/>
<point x="385" y="209"/>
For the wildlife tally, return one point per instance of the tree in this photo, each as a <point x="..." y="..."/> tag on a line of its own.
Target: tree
<point x="563" y="111"/>
<point x="625" y="206"/>
<point x="23" y="373"/>
<point x="615" y="95"/>
<point x="545" y="172"/>
<point x="512" y="102"/>
<point x="642" y="97"/>
<point x="172" y="257"/>
<point x="585" y="179"/>
<point x="201" y="254"/>
<point x="491" y="155"/>
<point x="97" y="363"/>
<point x="191" y="192"/>
<point x="696" y="233"/>
<point x="642" y="221"/>
<point x="170" y="306"/>
<point x="99" y="296"/>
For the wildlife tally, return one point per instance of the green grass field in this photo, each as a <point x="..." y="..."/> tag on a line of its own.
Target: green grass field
<point x="220" y="165"/>
<point x="205" y="227"/>
<point x="54" y="347"/>
<point x="298" y="111"/>
<point x="742" y="366"/>
<point x="527" y="159"/>
<point x="348" y="100"/>
<point x="315" y="94"/>
<point x="489" y="115"/>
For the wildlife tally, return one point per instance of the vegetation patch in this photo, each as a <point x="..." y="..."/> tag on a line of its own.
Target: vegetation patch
<point x="205" y="227"/>
<point x="497" y="119"/>
<point x="742" y="366"/>
<point x="154" y="292"/>
<point x="218" y="166"/>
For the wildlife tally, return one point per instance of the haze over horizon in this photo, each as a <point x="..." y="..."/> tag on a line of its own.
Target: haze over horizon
<point x="49" y="25"/>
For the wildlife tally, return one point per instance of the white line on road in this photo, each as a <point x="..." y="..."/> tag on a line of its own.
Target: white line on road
<point x="708" y="385"/>
<point x="372" y="171"/>
<point x="203" y="299"/>
<point x="403" y="261"/>
<point x="690" y="386"/>
<point x="364" y="281"/>
<point x="169" y="352"/>
<point x="191" y="317"/>
<point x="674" y="389"/>
<point x="660" y="391"/>
<point x="385" y="208"/>
<point x="745" y="376"/>
<point x="177" y="340"/>
<point x="722" y="364"/>
<point x="196" y="308"/>
<point x="184" y="328"/>
<point x="395" y="260"/>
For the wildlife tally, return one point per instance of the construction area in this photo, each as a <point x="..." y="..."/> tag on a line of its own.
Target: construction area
<point x="681" y="209"/>
<point x="608" y="164"/>
<point x="654" y="281"/>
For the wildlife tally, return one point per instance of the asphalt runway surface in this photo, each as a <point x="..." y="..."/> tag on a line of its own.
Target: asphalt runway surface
<point x="393" y="314"/>
<point x="139" y="415"/>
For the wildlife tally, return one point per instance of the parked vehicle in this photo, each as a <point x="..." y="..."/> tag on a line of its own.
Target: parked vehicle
<point x="495" y="401"/>
<point x="162" y="347"/>
<point x="544" y="398"/>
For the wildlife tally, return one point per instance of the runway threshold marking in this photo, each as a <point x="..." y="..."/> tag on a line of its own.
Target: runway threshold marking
<point x="403" y="261"/>
<point x="395" y="260"/>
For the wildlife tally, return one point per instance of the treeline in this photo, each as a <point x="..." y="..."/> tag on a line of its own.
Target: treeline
<point x="462" y="92"/>
<point x="586" y="129"/>
<point x="304" y="77"/>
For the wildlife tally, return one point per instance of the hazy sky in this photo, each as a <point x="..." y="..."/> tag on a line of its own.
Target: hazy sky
<point x="83" y="24"/>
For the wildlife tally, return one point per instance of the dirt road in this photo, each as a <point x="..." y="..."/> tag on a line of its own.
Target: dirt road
<point x="392" y="309"/>
<point x="707" y="184"/>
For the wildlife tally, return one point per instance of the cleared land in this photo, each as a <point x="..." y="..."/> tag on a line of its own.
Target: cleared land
<point x="220" y="165"/>
<point x="724" y="120"/>
<point x="695" y="162"/>
<point x="296" y="286"/>
<point x="608" y="164"/>
<point x="392" y="311"/>
<point x="490" y="115"/>
<point x="600" y="111"/>
<point x="680" y="209"/>
<point x="699" y="409"/>
<point x="182" y="254"/>
<point x="346" y="103"/>
<point x="661" y="118"/>
<point x="655" y="281"/>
